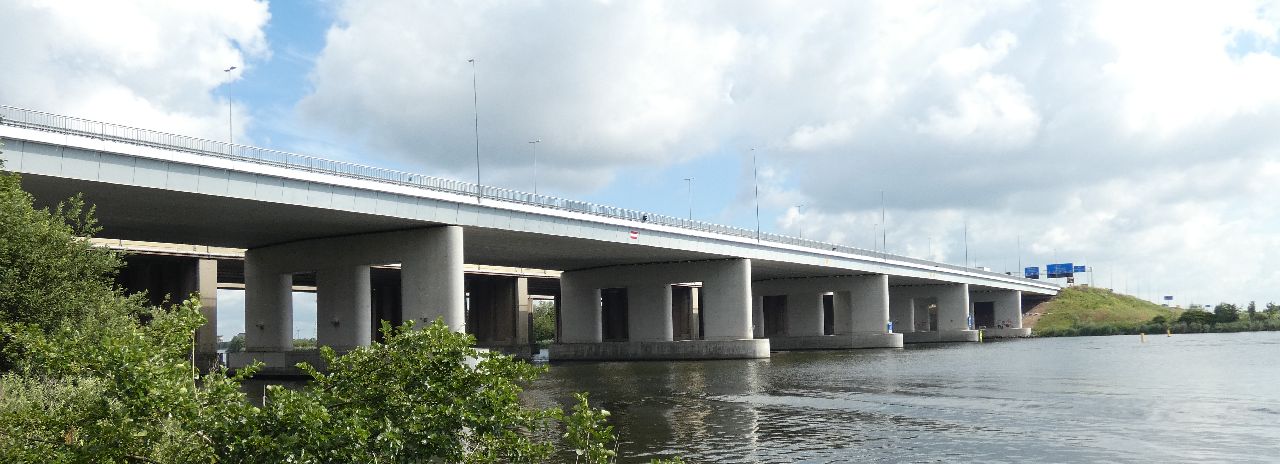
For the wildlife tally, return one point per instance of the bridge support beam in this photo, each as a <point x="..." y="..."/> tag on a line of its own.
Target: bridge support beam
<point x="431" y="287"/>
<point x="860" y="312"/>
<point x="725" y="314"/>
<point x="951" y="320"/>
<point x="1006" y="308"/>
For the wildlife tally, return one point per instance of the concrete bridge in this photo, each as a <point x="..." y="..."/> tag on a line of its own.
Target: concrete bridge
<point x="384" y="244"/>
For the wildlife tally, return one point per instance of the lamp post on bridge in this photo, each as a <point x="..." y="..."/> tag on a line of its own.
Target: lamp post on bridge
<point x="755" y="182"/>
<point x="475" y="101"/>
<point x="230" y="130"/>
<point x="800" y="212"/>
<point x="689" y="185"/>
<point x="533" y="144"/>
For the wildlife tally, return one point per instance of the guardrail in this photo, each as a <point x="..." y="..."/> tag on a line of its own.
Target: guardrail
<point x="21" y="117"/>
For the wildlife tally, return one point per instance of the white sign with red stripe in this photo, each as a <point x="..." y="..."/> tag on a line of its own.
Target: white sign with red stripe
<point x="635" y="235"/>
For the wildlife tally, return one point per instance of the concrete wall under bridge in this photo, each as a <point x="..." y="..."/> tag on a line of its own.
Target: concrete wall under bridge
<point x="860" y="313"/>
<point x="725" y="312"/>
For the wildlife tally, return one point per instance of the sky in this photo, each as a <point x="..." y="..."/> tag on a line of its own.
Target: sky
<point x="1139" y="138"/>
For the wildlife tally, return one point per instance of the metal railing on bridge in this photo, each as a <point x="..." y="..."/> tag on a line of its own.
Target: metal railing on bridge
<point x="21" y="117"/>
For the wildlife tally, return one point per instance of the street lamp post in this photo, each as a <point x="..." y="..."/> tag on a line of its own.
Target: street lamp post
<point x="230" y="132"/>
<point x="689" y="185"/>
<point x="534" y="147"/>
<point x="475" y="101"/>
<point x="800" y="212"/>
<point x="755" y="181"/>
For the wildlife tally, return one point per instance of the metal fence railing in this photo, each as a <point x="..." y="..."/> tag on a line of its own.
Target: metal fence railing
<point x="20" y="117"/>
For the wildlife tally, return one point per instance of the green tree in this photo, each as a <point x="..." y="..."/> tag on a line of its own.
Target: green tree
<point x="1273" y="310"/>
<point x="1226" y="312"/>
<point x="1252" y="311"/>
<point x="544" y="322"/>
<point x="49" y="272"/>
<point x="1196" y="316"/>
<point x="236" y="344"/>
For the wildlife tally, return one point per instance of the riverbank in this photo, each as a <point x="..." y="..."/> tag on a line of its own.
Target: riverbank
<point x="1084" y="311"/>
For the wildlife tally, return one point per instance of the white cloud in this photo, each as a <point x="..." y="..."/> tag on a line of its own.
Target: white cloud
<point x="150" y="64"/>
<point x="1113" y="131"/>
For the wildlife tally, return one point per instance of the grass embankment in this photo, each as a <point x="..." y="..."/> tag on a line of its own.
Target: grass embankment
<point x="1096" y="311"/>
<point x="1092" y="311"/>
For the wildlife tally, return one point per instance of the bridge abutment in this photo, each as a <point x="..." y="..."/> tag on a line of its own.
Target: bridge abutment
<point x="725" y="313"/>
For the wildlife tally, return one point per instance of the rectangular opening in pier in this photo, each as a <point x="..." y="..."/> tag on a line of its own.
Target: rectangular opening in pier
<point x="984" y="314"/>
<point x="828" y="314"/>
<point x="775" y="315"/>
<point x="613" y="314"/>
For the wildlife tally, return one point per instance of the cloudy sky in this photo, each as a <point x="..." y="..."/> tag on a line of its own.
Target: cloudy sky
<point x="1140" y="138"/>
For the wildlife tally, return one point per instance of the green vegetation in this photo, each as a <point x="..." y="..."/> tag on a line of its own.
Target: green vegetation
<point x="1079" y="311"/>
<point x="48" y="270"/>
<point x="544" y="323"/>
<point x="94" y="376"/>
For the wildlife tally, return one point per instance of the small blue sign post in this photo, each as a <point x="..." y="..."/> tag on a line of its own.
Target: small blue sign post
<point x="1031" y="272"/>
<point x="1079" y="269"/>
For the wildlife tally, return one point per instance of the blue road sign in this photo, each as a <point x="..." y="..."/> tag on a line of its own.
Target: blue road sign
<point x="1031" y="272"/>
<point x="1078" y="269"/>
<point x="1059" y="270"/>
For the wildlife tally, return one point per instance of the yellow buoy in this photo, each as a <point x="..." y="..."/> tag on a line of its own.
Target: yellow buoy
<point x="979" y="336"/>
<point x="1142" y="337"/>
<point x="1168" y="332"/>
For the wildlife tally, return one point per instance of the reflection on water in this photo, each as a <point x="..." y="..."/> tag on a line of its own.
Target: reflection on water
<point x="1210" y="397"/>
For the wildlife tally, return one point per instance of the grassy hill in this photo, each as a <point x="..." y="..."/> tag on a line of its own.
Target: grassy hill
<point x="1095" y="311"/>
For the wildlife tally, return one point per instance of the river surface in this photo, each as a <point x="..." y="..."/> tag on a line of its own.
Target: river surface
<point x="1186" y="398"/>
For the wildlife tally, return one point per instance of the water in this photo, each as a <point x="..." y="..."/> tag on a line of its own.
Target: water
<point x="1204" y="397"/>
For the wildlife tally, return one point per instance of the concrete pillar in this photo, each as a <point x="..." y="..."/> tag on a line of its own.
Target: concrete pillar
<point x="343" y="307"/>
<point x="804" y="314"/>
<point x="431" y="276"/>
<point x="695" y="316"/>
<point x="649" y="313"/>
<point x="953" y="307"/>
<point x="866" y="305"/>
<point x="727" y="315"/>
<point x="579" y="310"/>
<point x="524" y="312"/>
<point x="207" y="334"/>
<point x="902" y="312"/>
<point x="268" y="306"/>
<point x="1008" y="307"/>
